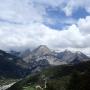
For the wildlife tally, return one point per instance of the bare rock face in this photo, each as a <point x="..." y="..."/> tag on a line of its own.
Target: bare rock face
<point x="71" y="57"/>
<point x="36" y="60"/>
<point x="44" y="55"/>
<point x="41" y="50"/>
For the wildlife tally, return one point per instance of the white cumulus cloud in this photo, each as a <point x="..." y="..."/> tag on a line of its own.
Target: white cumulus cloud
<point x="21" y="25"/>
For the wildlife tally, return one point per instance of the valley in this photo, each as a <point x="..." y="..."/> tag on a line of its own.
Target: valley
<point x="41" y="68"/>
<point x="44" y="44"/>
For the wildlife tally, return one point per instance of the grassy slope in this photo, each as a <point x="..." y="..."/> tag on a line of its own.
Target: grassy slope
<point x="58" y="77"/>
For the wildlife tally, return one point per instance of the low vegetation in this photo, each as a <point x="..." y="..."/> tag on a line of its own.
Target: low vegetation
<point x="65" y="77"/>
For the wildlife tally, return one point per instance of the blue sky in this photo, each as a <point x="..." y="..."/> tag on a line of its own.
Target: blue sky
<point x="59" y="24"/>
<point x="61" y="20"/>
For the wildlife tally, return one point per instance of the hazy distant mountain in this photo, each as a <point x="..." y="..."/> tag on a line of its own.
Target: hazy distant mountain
<point x="14" y="53"/>
<point x="25" y="53"/>
<point x="71" y="57"/>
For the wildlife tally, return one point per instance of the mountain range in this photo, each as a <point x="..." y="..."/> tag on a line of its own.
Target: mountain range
<point x="23" y="63"/>
<point x="54" y="58"/>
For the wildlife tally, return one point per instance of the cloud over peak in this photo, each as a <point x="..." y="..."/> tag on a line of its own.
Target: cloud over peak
<point x="29" y="23"/>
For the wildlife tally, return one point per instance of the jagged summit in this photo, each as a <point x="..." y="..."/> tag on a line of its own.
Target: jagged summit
<point x="66" y="51"/>
<point x="41" y="50"/>
<point x="42" y="46"/>
<point x="39" y="58"/>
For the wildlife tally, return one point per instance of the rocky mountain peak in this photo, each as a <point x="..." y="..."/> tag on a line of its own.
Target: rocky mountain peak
<point x="42" y="50"/>
<point x="67" y="52"/>
<point x="78" y="52"/>
<point x="80" y="55"/>
<point x="43" y="47"/>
